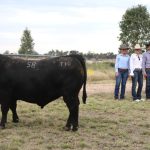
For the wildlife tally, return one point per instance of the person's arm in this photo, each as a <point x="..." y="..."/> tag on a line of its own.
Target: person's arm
<point x="144" y="64"/>
<point x="116" y="64"/>
<point x="131" y="66"/>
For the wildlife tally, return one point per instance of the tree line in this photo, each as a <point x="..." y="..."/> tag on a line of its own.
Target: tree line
<point x="89" y="55"/>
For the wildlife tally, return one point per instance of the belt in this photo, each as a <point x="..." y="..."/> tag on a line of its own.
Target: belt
<point x="138" y="69"/>
<point x="147" y="68"/>
<point x="121" y="69"/>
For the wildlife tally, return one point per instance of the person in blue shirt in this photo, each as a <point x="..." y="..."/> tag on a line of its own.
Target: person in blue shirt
<point x="121" y="71"/>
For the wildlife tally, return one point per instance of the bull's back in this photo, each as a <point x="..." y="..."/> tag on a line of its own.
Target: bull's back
<point x="44" y="80"/>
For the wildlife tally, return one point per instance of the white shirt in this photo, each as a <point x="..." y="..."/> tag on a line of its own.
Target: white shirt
<point x="135" y="62"/>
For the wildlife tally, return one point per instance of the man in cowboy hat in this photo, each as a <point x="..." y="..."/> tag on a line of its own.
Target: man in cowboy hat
<point x="146" y="69"/>
<point x="121" y="71"/>
<point x="136" y="72"/>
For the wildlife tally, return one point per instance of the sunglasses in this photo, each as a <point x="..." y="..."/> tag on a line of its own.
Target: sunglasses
<point x="124" y="49"/>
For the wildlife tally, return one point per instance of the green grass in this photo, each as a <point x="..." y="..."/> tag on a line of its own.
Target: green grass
<point x="105" y="124"/>
<point x="101" y="65"/>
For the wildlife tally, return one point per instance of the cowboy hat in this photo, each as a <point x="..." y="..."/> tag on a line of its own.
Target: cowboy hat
<point x="124" y="46"/>
<point x="137" y="46"/>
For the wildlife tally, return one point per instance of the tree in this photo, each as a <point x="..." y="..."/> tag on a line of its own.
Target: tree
<point x="27" y="44"/>
<point x="135" y="26"/>
<point x="6" y="52"/>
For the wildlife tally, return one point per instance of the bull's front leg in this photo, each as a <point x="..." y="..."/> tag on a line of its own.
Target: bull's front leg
<point x="4" y="110"/>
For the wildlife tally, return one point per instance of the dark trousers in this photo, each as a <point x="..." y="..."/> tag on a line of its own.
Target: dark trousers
<point x="121" y="79"/>
<point x="148" y="84"/>
<point x="137" y="78"/>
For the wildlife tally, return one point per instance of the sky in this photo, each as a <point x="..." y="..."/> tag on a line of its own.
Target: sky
<point x="83" y="25"/>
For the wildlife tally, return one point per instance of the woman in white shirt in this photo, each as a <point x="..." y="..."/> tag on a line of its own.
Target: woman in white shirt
<point x="136" y="72"/>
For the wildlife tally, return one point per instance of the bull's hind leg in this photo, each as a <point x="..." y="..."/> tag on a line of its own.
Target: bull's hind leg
<point x="75" y="113"/>
<point x="73" y="106"/>
<point x="13" y="107"/>
<point x="68" y="124"/>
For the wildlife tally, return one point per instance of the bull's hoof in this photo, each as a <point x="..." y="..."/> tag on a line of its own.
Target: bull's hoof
<point x="2" y="126"/>
<point x="67" y="128"/>
<point x="74" y="129"/>
<point x="15" y="120"/>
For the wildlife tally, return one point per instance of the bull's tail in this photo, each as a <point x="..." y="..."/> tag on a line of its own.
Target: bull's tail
<point x="84" y="84"/>
<point x="82" y="61"/>
<point x="84" y="93"/>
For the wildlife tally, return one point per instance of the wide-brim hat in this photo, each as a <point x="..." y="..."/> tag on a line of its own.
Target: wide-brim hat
<point x="124" y="46"/>
<point x="137" y="46"/>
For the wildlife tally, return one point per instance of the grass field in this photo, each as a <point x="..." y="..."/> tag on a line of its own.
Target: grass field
<point x="105" y="124"/>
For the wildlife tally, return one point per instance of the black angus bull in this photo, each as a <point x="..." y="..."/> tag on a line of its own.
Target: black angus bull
<point x="41" y="82"/>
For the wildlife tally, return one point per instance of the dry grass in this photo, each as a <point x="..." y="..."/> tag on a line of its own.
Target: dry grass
<point x="98" y="75"/>
<point x="99" y="71"/>
<point x="105" y="124"/>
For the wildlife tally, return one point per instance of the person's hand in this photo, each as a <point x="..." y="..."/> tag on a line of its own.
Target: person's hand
<point x="116" y="74"/>
<point x="131" y="76"/>
<point x="145" y="75"/>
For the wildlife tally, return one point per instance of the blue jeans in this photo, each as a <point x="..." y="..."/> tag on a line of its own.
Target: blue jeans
<point x="121" y="79"/>
<point x="148" y="84"/>
<point x="137" y="78"/>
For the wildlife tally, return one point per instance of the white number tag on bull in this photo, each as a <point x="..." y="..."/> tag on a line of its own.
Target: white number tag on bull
<point x="65" y="64"/>
<point x="31" y="64"/>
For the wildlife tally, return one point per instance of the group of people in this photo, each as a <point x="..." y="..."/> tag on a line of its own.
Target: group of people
<point x="137" y="66"/>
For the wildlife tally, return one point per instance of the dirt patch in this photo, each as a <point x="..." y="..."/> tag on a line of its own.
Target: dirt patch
<point x="96" y="88"/>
